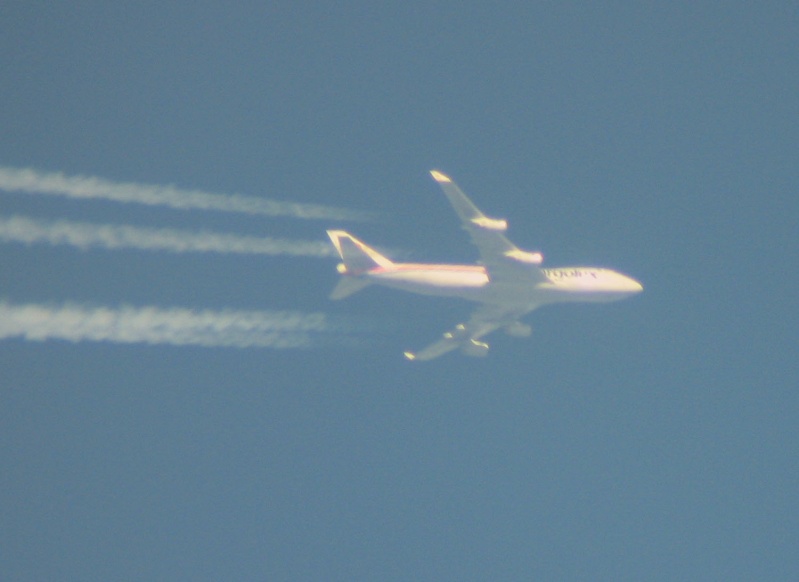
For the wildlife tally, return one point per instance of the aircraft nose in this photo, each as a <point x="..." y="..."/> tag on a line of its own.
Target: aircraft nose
<point x="633" y="286"/>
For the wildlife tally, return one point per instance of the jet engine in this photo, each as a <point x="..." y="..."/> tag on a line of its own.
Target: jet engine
<point x="518" y="329"/>
<point x="475" y="348"/>
<point x="496" y="224"/>
<point x="525" y="257"/>
<point x="457" y="333"/>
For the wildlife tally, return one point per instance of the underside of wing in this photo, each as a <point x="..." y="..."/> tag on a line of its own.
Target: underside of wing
<point x="467" y="336"/>
<point x="503" y="260"/>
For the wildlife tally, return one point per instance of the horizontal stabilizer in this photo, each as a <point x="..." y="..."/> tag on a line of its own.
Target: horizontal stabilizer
<point x="347" y="286"/>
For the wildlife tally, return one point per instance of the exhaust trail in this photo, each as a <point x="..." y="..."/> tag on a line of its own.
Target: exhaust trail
<point x="89" y="187"/>
<point x="83" y="235"/>
<point x="166" y="326"/>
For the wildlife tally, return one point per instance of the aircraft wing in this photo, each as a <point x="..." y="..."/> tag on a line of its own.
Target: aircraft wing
<point x="466" y="336"/>
<point x="503" y="260"/>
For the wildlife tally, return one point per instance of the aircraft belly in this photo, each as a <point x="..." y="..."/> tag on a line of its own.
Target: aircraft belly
<point x="468" y="284"/>
<point x="566" y="294"/>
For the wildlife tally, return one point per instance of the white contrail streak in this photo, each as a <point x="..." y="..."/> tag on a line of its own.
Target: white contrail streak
<point x="89" y="187"/>
<point x="172" y="326"/>
<point x="84" y="235"/>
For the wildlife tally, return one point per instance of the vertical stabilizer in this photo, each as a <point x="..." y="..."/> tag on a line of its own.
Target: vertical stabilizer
<point x="357" y="259"/>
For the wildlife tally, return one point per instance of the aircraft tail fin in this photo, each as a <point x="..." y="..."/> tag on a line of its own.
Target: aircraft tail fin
<point x="357" y="258"/>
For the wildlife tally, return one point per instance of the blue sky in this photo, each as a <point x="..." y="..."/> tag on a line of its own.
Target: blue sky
<point x="650" y="439"/>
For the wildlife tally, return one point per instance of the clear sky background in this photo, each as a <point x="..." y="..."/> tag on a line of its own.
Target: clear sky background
<point x="651" y="439"/>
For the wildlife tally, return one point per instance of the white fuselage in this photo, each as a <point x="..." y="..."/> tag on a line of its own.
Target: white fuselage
<point x="473" y="283"/>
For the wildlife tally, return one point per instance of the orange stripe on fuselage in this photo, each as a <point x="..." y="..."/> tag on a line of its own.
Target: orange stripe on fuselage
<point x="428" y="267"/>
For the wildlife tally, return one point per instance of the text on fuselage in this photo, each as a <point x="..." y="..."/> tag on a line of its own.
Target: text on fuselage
<point x="570" y="273"/>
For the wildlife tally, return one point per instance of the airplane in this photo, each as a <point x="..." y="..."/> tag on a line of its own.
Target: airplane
<point x="508" y="282"/>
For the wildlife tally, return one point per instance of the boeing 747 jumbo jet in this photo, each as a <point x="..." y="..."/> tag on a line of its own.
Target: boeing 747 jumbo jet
<point x="508" y="282"/>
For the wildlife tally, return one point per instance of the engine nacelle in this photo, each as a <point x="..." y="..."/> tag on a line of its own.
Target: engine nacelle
<point x="518" y="329"/>
<point x="458" y="333"/>
<point x="525" y="257"/>
<point x="475" y="348"/>
<point x="491" y="223"/>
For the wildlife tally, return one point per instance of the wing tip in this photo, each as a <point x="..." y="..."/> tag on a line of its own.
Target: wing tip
<point x="439" y="177"/>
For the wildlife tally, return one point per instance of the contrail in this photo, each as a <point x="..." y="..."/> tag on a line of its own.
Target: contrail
<point x="172" y="326"/>
<point x="85" y="235"/>
<point x="89" y="187"/>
